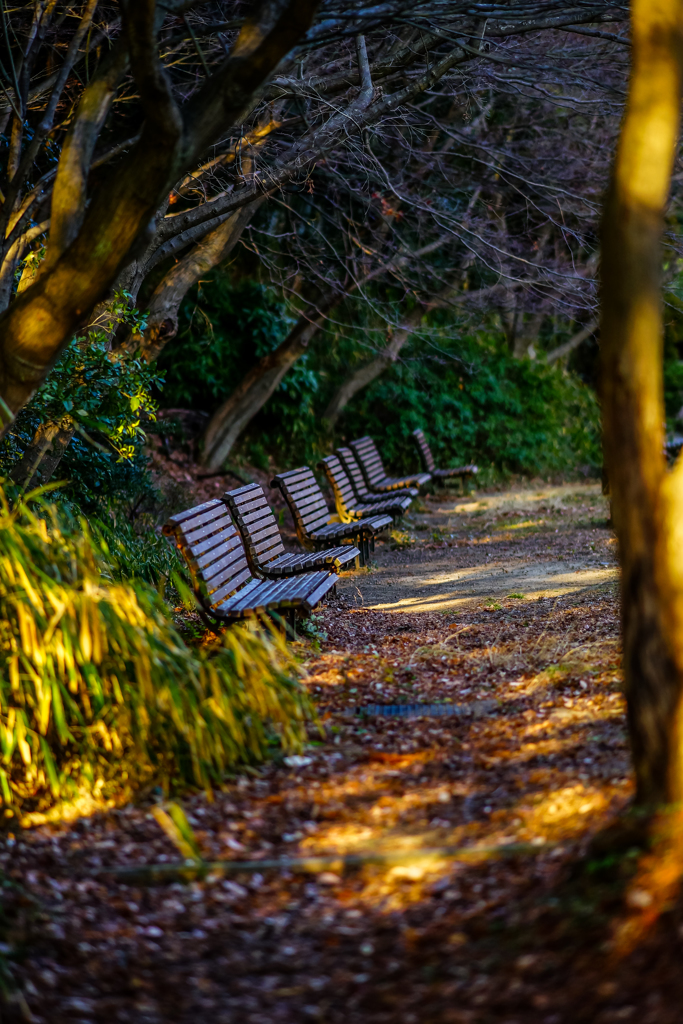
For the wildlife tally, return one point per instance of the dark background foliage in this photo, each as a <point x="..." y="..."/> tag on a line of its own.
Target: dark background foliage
<point x="474" y="400"/>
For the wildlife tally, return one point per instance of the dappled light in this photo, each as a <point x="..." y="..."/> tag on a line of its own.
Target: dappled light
<point x="341" y="590"/>
<point x="480" y="813"/>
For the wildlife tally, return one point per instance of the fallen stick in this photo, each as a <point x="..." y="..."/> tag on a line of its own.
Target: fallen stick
<point x="189" y="871"/>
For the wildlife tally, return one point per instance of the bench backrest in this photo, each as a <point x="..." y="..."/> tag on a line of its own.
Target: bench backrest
<point x="258" y="525"/>
<point x="305" y="499"/>
<point x="366" y="452"/>
<point x="424" y="450"/>
<point x="213" y="549"/>
<point x="353" y="470"/>
<point x="342" y="488"/>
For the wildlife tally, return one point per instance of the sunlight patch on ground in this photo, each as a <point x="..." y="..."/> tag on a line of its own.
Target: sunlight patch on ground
<point x="527" y="497"/>
<point x="525" y="525"/>
<point x="553" y="579"/>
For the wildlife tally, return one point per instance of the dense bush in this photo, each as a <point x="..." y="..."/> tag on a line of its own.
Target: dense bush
<point x="97" y="688"/>
<point x="474" y="400"/>
<point x="224" y="326"/>
<point x="507" y="415"/>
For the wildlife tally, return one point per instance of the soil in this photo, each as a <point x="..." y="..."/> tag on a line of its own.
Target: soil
<point x="504" y="606"/>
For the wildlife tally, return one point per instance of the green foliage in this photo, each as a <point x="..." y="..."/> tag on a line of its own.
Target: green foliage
<point x="99" y="692"/>
<point x="474" y="400"/>
<point x="104" y="391"/>
<point x="108" y="394"/>
<point x="478" y="404"/>
<point x="224" y="327"/>
<point x="135" y="551"/>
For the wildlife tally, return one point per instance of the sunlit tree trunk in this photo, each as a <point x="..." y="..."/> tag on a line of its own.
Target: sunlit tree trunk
<point x="647" y="499"/>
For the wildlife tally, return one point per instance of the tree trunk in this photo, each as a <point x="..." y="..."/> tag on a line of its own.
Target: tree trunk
<point x="228" y="422"/>
<point x="116" y="221"/>
<point x="646" y="498"/>
<point x="523" y="344"/>
<point x="365" y="375"/>
<point x="44" y="453"/>
<point x="167" y="297"/>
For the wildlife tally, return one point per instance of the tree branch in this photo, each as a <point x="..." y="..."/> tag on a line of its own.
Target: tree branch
<point x="574" y="342"/>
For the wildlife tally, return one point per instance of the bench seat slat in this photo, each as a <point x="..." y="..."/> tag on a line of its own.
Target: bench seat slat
<point x="264" y="549"/>
<point x="349" y="508"/>
<point x="374" y="472"/>
<point x="222" y="578"/>
<point x="425" y="453"/>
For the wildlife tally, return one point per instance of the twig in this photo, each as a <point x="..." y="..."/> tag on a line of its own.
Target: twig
<point x="149" y="874"/>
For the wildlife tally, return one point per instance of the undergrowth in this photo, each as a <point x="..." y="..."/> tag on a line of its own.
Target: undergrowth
<point x="98" y="691"/>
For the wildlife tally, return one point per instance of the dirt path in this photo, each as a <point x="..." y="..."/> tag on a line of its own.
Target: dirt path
<point x="536" y="754"/>
<point x="494" y="524"/>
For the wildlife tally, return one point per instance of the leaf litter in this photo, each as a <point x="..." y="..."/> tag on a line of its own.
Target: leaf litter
<point x="538" y="756"/>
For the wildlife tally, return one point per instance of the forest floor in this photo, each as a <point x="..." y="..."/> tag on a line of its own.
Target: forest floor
<point x="504" y="605"/>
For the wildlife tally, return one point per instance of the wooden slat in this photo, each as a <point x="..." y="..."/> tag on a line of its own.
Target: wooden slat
<point x="253" y="510"/>
<point x="257" y="524"/>
<point x="307" y="488"/>
<point x="267" y="549"/>
<point x="323" y="588"/>
<point x="331" y="530"/>
<point x="342" y="488"/>
<point x="293" y="474"/>
<point x="218" y="560"/>
<point x="231" y="576"/>
<point x="424" y="449"/>
<point x="227" y="558"/>
<point x="309" y="503"/>
<point x="353" y="509"/>
<point x="363" y="450"/>
<point x="200" y="512"/>
<point x="264" y="530"/>
<point x="193" y="532"/>
<point x="252" y="519"/>
<point x="353" y="469"/>
<point x="218" y="595"/>
<point x="227" y="537"/>
<point x="239" y="491"/>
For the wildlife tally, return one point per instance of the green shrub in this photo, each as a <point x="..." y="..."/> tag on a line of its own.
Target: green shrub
<point x="481" y="405"/>
<point x="98" y="691"/>
<point x="473" y="399"/>
<point x="108" y="394"/>
<point x="133" y="555"/>
<point x="475" y="402"/>
<point x="224" y="326"/>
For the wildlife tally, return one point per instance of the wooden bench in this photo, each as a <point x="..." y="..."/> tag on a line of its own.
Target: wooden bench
<point x="223" y="584"/>
<point x="314" y="524"/>
<point x="263" y="543"/>
<point x="374" y="472"/>
<point x="355" y="474"/>
<point x="461" y="472"/>
<point x="348" y="507"/>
